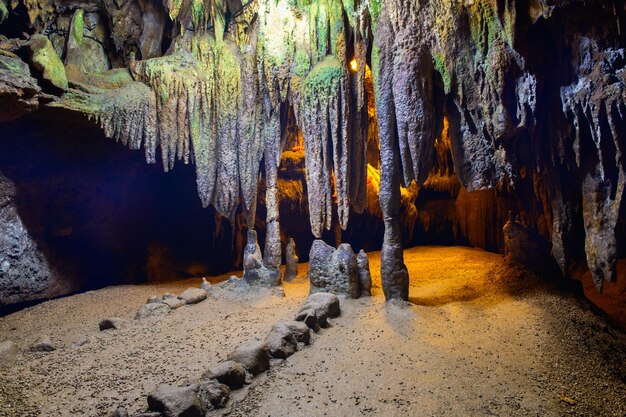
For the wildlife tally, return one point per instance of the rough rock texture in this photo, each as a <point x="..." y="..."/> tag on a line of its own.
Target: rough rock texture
<point x="44" y="59"/>
<point x="333" y="270"/>
<point x="25" y="274"/>
<point x="213" y="394"/>
<point x="365" y="277"/>
<point x="527" y="247"/>
<point x="18" y="90"/>
<point x="319" y="307"/>
<point x="255" y="271"/>
<point x="253" y="356"/>
<point x="152" y="310"/>
<point x="291" y="261"/>
<point x="176" y="401"/>
<point x="230" y="373"/>
<point x="281" y="341"/>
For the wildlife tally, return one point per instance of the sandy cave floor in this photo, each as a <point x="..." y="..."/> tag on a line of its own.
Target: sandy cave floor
<point x="479" y="339"/>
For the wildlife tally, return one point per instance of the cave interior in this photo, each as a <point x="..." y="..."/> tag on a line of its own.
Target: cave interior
<point x="149" y="142"/>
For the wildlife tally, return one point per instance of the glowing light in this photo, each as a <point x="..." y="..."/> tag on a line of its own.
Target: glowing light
<point x="353" y="65"/>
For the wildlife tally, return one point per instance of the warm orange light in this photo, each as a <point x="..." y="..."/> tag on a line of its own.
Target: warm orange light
<point x="353" y="65"/>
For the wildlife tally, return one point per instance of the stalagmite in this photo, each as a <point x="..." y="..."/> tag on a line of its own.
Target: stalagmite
<point x="393" y="272"/>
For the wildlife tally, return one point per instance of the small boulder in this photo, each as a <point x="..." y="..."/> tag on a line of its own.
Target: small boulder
<point x="281" y="342"/>
<point x="45" y="60"/>
<point x="253" y="356"/>
<point x="176" y="401"/>
<point x="110" y="323"/>
<point x="300" y="331"/>
<point x="365" y="276"/>
<point x="153" y="299"/>
<point x="312" y="318"/>
<point x="213" y="394"/>
<point x="230" y="373"/>
<point x="327" y="300"/>
<point x="174" y="302"/>
<point x="42" y="344"/>
<point x="193" y="295"/>
<point x="205" y="285"/>
<point x="152" y="310"/>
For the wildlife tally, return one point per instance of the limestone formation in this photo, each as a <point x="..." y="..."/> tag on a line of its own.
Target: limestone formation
<point x="44" y="59"/>
<point x="255" y="271"/>
<point x="513" y="105"/>
<point x="333" y="270"/>
<point x="365" y="277"/>
<point x="291" y="261"/>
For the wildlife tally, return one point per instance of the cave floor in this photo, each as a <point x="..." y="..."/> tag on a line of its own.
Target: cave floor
<point x="479" y="338"/>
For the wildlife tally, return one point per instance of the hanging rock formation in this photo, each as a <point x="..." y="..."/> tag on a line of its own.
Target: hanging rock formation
<point x="498" y="103"/>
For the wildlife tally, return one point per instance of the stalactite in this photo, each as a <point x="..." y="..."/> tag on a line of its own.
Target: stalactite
<point x="127" y="114"/>
<point x="324" y="122"/>
<point x="595" y="106"/>
<point x="199" y="93"/>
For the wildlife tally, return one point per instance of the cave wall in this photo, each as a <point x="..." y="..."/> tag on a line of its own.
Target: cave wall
<point x="419" y="122"/>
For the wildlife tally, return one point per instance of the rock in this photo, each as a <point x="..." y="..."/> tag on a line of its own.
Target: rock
<point x="300" y="330"/>
<point x="213" y="394"/>
<point x="85" y="53"/>
<point x="168" y="295"/>
<point x="42" y="344"/>
<point x="253" y="356"/>
<point x="230" y="373"/>
<point x="152" y="310"/>
<point x="328" y="300"/>
<point x="291" y="261"/>
<point x="110" y="323"/>
<point x="317" y="309"/>
<point x="254" y="270"/>
<point x="45" y="60"/>
<point x="193" y="295"/>
<point x="7" y="352"/>
<point x="176" y="401"/>
<point x="333" y="270"/>
<point x="281" y="341"/>
<point x="313" y="316"/>
<point x="154" y="299"/>
<point x="174" y="302"/>
<point x="205" y="285"/>
<point x="365" y="277"/>
<point x="524" y="246"/>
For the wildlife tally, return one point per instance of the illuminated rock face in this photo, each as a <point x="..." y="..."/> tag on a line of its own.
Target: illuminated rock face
<point x="520" y="103"/>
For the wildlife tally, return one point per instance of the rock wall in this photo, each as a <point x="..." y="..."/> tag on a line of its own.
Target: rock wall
<point x="496" y="105"/>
